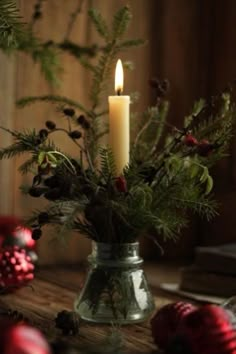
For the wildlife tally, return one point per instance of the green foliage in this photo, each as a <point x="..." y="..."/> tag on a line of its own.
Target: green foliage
<point x="11" y="27"/>
<point x="169" y="171"/>
<point x="99" y="23"/>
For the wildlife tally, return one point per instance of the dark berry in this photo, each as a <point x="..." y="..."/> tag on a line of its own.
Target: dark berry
<point x="53" y="194"/>
<point x="36" y="192"/>
<point x="86" y="125"/>
<point x="43" y="133"/>
<point x="69" y="112"/>
<point x="81" y="119"/>
<point x="190" y="140"/>
<point x="37" y="15"/>
<point x="51" y="182"/>
<point x="205" y="148"/>
<point x="83" y="122"/>
<point x="75" y="134"/>
<point x="50" y="125"/>
<point x="38" y="141"/>
<point x="161" y="87"/>
<point x="43" y="218"/>
<point x="36" y="234"/>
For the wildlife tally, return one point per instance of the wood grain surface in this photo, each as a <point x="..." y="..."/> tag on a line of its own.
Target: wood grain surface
<point x="55" y="289"/>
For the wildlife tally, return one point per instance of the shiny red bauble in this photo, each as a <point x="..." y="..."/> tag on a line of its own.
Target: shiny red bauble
<point x="16" y="268"/>
<point x="207" y="330"/>
<point x="21" y="339"/>
<point x="166" y="321"/>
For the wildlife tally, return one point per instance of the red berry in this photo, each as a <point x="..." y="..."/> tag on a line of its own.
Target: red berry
<point x="207" y="330"/>
<point x="121" y="184"/>
<point x="204" y="148"/>
<point x="190" y="140"/>
<point x="166" y="321"/>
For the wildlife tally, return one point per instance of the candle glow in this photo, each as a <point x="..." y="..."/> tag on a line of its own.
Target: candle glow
<point x="119" y="77"/>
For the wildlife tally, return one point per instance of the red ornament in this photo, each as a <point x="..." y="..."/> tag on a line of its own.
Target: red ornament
<point x="21" y="339"/>
<point x="190" y="140"/>
<point x="121" y="184"/>
<point x="207" y="330"/>
<point x="20" y="236"/>
<point x="16" y="268"/>
<point x="166" y="321"/>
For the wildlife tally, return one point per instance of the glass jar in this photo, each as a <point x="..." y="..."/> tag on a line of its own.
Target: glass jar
<point x="116" y="288"/>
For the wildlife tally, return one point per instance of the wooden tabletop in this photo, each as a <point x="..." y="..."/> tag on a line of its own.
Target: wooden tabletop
<point x="54" y="289"/>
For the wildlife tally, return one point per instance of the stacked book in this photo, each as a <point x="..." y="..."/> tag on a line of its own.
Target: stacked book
<point x="213" y="271"/>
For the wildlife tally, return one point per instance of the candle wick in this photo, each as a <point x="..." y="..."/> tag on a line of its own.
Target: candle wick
<point x="119" y="92"/>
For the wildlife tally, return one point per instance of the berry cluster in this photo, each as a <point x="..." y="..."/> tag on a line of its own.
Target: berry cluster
<point x="203" y="147"/>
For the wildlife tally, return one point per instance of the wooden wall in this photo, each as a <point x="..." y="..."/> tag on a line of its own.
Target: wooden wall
<point x="191" y="42"/>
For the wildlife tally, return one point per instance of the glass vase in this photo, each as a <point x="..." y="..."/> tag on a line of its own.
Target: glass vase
<point x="116" y="289"/>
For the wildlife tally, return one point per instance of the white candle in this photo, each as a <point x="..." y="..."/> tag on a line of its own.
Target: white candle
<point x="119" y="134"/>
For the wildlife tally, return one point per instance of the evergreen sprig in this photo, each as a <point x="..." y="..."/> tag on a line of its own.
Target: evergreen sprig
<point x="12" y="28"/>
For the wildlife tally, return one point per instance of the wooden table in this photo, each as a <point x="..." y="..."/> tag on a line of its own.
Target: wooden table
<point x="54" y="289"/>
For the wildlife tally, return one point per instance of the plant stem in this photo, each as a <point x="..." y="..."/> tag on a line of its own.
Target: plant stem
<point x="73" y="17"/>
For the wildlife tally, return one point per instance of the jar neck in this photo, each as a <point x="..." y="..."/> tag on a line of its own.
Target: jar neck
<point x="115" y="254"/>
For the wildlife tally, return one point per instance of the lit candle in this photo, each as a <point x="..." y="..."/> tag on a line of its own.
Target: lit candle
<point x="119" y="122"/>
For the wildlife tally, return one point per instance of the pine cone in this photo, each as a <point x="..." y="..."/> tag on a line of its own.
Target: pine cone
<point x="68" y="322"/>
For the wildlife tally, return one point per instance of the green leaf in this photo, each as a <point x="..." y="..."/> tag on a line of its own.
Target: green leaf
<point x="204" y="175"/>
<point x="194" y="170"/>
<point x="209" y="184"/>
<point x="41" y="157"/>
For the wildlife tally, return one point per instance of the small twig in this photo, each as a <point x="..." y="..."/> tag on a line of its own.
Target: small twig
<point x="8" y="131"/>
<point x="84" y="150"/>
<point x="73" y="17"/>
<point x="142" y="130"/>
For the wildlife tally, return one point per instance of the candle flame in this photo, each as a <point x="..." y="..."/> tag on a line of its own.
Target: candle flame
<point x="119" y="77"/>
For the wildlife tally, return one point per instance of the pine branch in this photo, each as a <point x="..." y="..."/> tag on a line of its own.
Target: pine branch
<point x="26" y="141"/>
<point x="121" y="22"/>
<point x="23" y="102"/>
<point x="99" y="23"/>
<point x="108" y="167"/>
<point x="27" y="166"/>
<point x="11" y="28"/>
